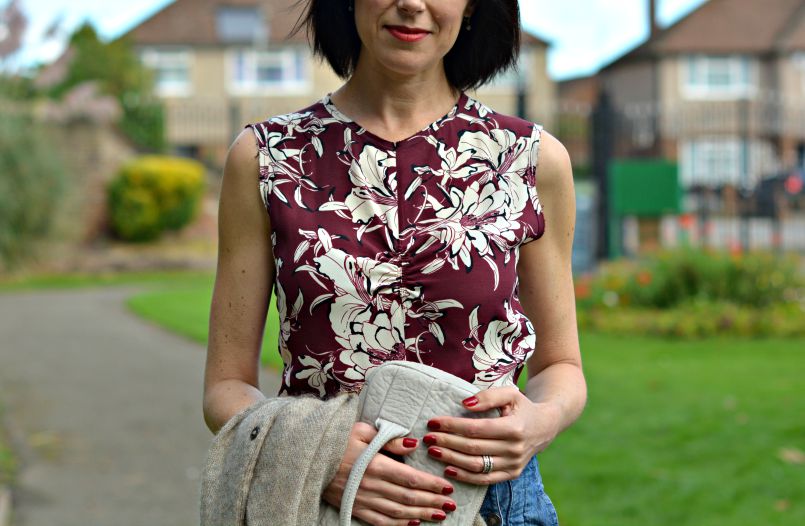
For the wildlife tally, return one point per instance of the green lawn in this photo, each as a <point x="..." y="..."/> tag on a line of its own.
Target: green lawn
<point x="65" y="281"/>
<point x="8" y="462"/>
<point x="184" y="308"/>
<point x="695" y="433"/>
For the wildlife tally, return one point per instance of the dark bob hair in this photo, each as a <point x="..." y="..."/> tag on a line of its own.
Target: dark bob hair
<point x="478" y="55"/>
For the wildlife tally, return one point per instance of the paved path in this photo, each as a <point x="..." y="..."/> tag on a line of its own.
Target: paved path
<point x="108" y="410"/>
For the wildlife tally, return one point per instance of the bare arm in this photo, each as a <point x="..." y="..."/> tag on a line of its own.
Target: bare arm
<point x="243" y="284"/>
<point x="555" y="374"/>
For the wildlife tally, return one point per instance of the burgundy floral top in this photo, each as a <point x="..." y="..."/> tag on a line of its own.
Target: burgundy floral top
<point x="401" y="250"/>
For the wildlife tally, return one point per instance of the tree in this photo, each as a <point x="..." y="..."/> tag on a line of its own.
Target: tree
<point x="119" y="73"/>
<point x="12" y="27"/>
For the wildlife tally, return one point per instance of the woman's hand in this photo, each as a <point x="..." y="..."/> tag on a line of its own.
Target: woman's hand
<point x="391" y="493"/>
<point x="524" y="429"/>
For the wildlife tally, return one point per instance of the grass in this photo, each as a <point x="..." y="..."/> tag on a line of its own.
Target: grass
<point x="185" y="309"/>
<point x="682" y="434"/>
<point x="68" y="281"/>
<point x="8" y="462"/>
<point x="694" y="433"/>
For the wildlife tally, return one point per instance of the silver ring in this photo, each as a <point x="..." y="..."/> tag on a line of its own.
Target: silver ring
<point x="488" y="464"/>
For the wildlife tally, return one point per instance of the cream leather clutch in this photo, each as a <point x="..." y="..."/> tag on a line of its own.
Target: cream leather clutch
<point x="399" y="398"/>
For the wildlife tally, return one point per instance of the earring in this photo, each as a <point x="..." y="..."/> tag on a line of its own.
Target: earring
<point x="467" y="18"/>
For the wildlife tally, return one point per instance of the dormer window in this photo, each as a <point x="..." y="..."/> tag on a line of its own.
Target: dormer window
<point x="240" y="25"/>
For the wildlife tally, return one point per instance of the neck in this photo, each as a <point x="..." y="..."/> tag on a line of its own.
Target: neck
<point x="389" y="101"/>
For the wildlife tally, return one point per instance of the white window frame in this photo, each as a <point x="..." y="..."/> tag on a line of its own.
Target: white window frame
<point x="711" y="161"/>
<point x="739" y="87"/>
<point x="157" y="59"/>
<point x="287" y="56"/>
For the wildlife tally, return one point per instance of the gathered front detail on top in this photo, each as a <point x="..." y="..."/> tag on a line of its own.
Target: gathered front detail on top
<point x="399" y="250"/>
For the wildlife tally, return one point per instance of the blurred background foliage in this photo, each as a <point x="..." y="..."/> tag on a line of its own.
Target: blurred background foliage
<point x="695" y="293"/>
<point x="152" y="194"/>
<point x="30" y="200"/>
<point x="118" y="71"/>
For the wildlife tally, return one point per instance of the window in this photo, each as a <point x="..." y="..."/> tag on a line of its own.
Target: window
<point x="720" y="77"/>
<point x="171" y="71"/>
<point x="711" y="162"/>
<point x="240" y="25"/>
<point x="269" y="71"/>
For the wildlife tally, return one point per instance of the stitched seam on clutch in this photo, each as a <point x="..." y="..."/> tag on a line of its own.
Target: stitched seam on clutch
<point x="430" y="395"/>
<point x="386" y="394"/>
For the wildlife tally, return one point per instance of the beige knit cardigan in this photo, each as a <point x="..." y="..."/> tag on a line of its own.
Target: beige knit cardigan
<point x="270" y="463"/>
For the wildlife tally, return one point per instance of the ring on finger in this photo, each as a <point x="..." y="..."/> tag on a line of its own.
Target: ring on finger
<point x="489" y="465"/>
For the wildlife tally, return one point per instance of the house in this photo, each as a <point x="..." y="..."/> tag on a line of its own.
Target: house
<point x="576" y="98"/>
<point x="722" y="91"/>
<point x="222" y="63"/>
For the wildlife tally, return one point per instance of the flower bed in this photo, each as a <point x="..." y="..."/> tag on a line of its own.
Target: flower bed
<point x="695" y="293"/>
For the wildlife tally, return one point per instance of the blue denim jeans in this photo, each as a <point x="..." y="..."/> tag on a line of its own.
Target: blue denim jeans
<point x="520" y="502"/>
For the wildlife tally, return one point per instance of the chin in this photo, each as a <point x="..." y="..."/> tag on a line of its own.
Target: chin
<point x="407" y="66"/>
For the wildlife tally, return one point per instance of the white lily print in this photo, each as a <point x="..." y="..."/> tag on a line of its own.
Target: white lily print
<point x="374" y="193"/>
<point x="287" y="322"/>
<point x="502" y="348"/>
<point x="474" y="220"/>
<point x="316" y="373"/>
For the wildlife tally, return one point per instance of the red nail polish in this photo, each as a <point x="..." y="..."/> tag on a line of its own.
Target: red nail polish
<point x="433" y="424"/>
<point x="471" y="401"/>
<point x="447" y="490"/>
<point x="410" y="442"/>
<point x="439" y="516"/>
<point x="449" y="506"/>
<point x="450" y="472"/>
<point x="429" y="439"/>
<point x="413" y="523"/>
<point x="435" y="451"/>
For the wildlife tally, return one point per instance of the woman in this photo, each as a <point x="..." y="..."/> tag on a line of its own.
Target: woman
<point x="396" y="218"/>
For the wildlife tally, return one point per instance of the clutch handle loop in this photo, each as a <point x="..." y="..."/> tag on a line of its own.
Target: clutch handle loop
<point x="386" y="430"/>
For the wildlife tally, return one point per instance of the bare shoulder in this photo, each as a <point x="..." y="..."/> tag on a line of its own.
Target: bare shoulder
<point x="242" y="157"/>
<point x="554" y="167"/>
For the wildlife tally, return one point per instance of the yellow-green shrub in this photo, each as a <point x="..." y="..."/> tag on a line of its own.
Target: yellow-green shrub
<point x="154" y="193"/>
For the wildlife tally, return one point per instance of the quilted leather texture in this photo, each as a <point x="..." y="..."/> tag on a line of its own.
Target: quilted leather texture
<point x="409" y="394"/>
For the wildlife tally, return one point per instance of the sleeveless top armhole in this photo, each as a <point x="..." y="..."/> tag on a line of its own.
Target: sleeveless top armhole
<point x="261" y="135"/>
<point x="535" y="224"/>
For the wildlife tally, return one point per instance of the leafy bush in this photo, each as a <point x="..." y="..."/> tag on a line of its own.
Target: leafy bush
<point x="154" y="193"/>
<point x="696" y="293"/>
<point x="143" y="121"/>
<point x="698" y="320"/>
<point x="32" y="180"/>
<point x="672" y="278"/>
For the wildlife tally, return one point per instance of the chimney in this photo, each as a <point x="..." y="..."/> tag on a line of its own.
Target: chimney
<point x="652" y="18"/>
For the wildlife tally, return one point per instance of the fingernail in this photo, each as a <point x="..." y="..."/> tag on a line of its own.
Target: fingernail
<point x="471" y="401"/>
<point x="450" y="472"/>
<point x="429" y="439"/>
<point x="410" y="442"/>
<point x="435" y="451"/>
<point x="433" y="424"/>
<point x="447" y="490"/>
<point x="413" y="523"/>
<point x="438" y="516"/>
<point x="449" y="506"/>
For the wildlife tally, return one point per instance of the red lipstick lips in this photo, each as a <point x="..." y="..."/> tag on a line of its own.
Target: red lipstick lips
<point x="407" y="34"/>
